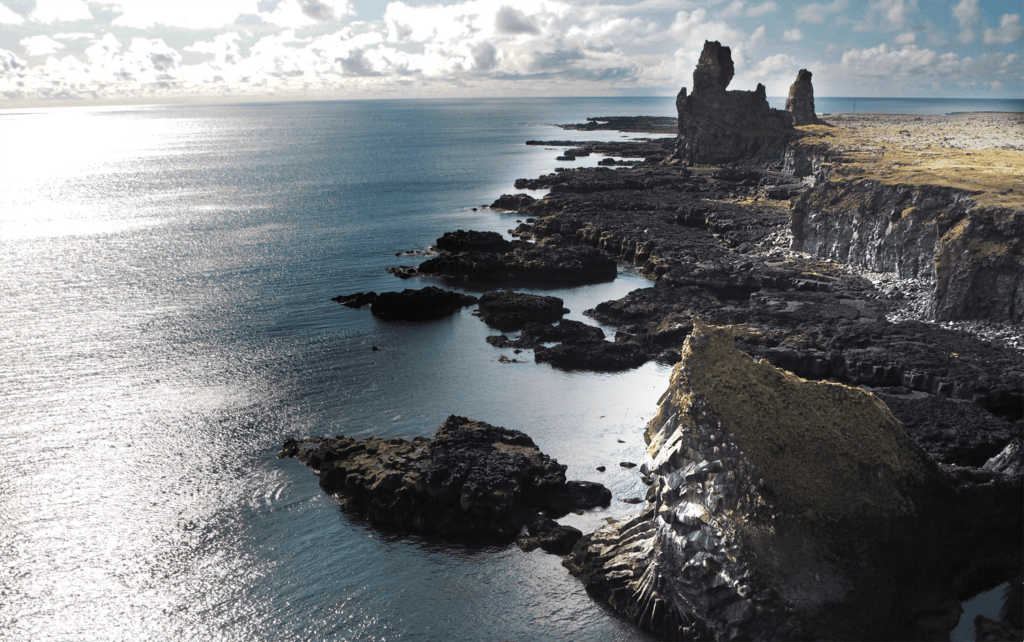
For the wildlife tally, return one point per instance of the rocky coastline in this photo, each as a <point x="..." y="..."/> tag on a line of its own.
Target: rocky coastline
<point x="838" y="453"/>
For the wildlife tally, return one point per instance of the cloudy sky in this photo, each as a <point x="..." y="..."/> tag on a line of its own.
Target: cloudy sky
<point x="130" y="51"/>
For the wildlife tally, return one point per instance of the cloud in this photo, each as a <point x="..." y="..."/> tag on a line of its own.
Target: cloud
<point x="40" y="45"/>
<point x="761" y="9"/>
<point x="74" y="36"/>
<point x="818" y="13"/>
<point x="8" y="17"/>
<point x="792" y="35"/>
<point x="510" y="21"/>
<point x="1009" y="31"/>
<point x="302" y="13"/>
<point x="50" y="11"/>
<point x="905" y="38"/>
<point x="886" y="15"/>
<point x="10" y="63"/>
<point x="224" y="48"/>
<point x="967" y="13"/>
<point x="691" y="29"/>
<point x="192" y="14"/>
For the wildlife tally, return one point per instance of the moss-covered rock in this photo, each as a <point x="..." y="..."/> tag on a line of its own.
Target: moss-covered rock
<point x="787" y="509"/>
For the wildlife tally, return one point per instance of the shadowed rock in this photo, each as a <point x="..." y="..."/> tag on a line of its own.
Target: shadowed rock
<point x="512" y="310"/>
<point x="473" y="480"/>
<point x="719" y="126"/>
<point x="787" y="509"/>
<point x="419" y="305"/>
<point x="471" y="240"/>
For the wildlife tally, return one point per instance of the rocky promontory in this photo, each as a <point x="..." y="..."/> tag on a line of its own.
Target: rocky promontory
<point x="787" y="509"/>
<point x="471" y="481"/>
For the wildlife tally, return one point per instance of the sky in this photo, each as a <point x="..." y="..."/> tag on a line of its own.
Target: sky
<point x="56" y="52"/>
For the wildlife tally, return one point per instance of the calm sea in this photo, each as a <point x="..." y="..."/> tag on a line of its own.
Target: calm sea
<point x="166" y="323"/>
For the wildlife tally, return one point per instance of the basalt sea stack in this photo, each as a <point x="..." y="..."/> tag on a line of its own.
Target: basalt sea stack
<point x="787" y="509"/>
<point x="719" y="126"/>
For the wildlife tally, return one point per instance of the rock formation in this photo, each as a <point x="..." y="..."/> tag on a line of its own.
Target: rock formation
<point x="719" y="126"/>
<point x="409" y="305"/>
<point x="800" y="102"/>
<point x="473" y="480"/>
<point x="509" y="310"/>
<point x="788" y="509"/>
<point x="526" y="263"/>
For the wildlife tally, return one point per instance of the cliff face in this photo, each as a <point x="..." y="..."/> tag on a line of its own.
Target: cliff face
<point x="719" y="126"/>
<point x="972" y="254"/>
<point x="786" y="509"/>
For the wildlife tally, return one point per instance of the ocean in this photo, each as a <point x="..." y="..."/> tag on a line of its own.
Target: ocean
<point x="167" y="278"/>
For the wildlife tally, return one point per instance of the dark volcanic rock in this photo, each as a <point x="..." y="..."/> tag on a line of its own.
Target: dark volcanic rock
<point x="599" y="356"/>
<point x="419" y="305"/>
<point x="473" y="480"/>
<point x="953" y="431"/>
<point x="462" y="241"/>
<point x="648" y="124"/>
<point x="512" y="201"/>
<point x="536" y="264"/>
<point x="512" y="310"/>
<point x="783" y="509"/>
<point x="719" y="126"/>
<point x="357" y="300"/>
<point x="800" y="102"/>
<point x="549" y="535"/>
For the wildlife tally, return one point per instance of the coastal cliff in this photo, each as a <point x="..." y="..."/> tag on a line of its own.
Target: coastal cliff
<point x="786" y="509"/>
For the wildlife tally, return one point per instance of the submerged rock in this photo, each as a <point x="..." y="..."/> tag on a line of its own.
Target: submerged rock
<point x="473" y="480"/>
<point x="787" y="509"/>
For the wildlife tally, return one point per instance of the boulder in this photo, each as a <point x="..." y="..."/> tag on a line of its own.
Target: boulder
<point x="720" y="126"/>
<point x="512" y="201"/>
<point x="472" y="481"/>
<point x="800" y="102"/>
<point x="528" y="265"/>
<point x="787" y="509"/>
<point x="419" y="305"/>
<point x="357" y="300"/>
<point x="510" y="310"/>
<point x="471" y="240"/>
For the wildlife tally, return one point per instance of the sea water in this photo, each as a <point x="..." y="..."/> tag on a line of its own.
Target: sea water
<point x="167" y="322"/>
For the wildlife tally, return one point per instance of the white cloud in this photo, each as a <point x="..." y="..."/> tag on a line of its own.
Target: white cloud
<point x="193" y="14"/>
<point x="302" y="13"/>
<point x="756" y="38"/>
<point x="761" y="9"/>
<point x="1009" y="31"/>
<point x="967" y="13"/>
<point x="40" y="45"/>
<point x="886" y="15"/>
<point x="905" y="38"/>
<point x="792" y="35"/>
<point x="818" y="13"/>
<point x="50" y="11"/>
<point x="734" y="9"/>
<point x="74" y="36"/>
<point x="691" y="28"/>
<point x="10" y="63"/>
<point x="8" y="17"/>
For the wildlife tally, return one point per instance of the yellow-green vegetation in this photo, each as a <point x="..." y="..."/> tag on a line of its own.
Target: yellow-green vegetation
<point x="828" y="451"/>
<point x="970" y="153"/>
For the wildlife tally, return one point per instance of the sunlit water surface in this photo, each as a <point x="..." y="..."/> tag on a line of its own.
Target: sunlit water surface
<point x="167" y="322"/>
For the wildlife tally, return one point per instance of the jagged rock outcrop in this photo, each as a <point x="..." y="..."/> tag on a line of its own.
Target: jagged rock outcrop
<point x="471" y="240"/>
<point x="508" y="310"/>
<point x="800" y="102"/>
<point x="533" y="264"/>
<point x="409" y="305"/>
<point x="974" y="255"/>
<point x="786" y="509"/>
<point x="719" y="126"/>
<point x="512" y="201"/>
<point x="473" y="480"/>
